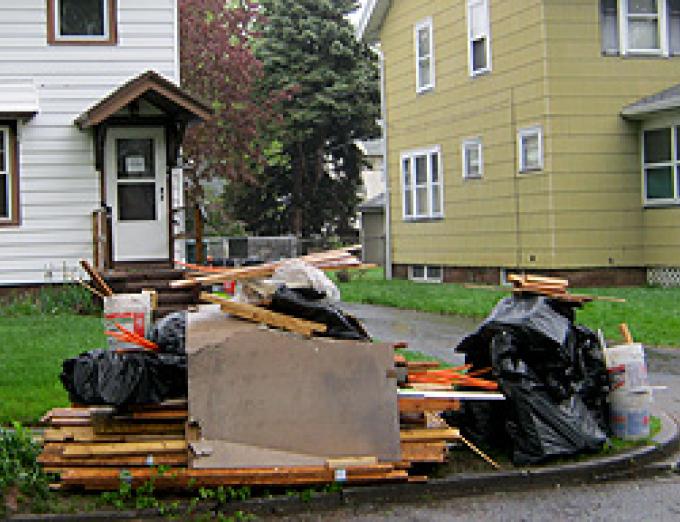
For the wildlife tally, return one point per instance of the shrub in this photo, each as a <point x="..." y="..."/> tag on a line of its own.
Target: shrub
<point x="52" y="300"/>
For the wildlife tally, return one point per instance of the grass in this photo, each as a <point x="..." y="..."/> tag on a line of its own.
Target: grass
<point x="653" y="314"/>
<point x="32" y="349"/>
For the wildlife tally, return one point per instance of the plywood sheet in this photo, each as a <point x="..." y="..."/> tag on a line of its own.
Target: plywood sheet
<point x="211" y="454"/>
<point x="259" y="387"/>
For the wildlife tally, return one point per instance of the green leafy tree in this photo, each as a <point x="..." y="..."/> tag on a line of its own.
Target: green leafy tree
<point x="309" y="48"/>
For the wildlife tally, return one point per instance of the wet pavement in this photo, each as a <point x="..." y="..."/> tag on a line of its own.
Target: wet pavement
<point x="633" y="500"/>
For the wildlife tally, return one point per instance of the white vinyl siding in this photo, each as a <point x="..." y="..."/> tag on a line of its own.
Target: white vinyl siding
<point x="473" y="159"/>
<point x="59" y="183"/>
<point x="424" y="50"/>
<point x="640" y="27"/>
<point x="530" y="149"/>
<point x="422" y="184"/>
<point x="479" y="42"/>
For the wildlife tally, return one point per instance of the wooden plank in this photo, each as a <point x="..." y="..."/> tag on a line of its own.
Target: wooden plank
<point x="421" y="405"/>
<point x="424" y="435"/>
<point x="261" y="315"/>
<point x="139" y="428"/>
<point x="87" y="434"/>
<point x="424" y="452"/>
<point x="124" y="448"/>
<point x="125" y="461"/>
<point x="452" y="394"/>
<point x="350" y="462"/>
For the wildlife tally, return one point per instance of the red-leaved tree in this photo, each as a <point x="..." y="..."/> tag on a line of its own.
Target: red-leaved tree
<point x="219" y="67"/>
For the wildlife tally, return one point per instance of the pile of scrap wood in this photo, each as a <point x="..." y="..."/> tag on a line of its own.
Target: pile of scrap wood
<point x="92" y="448"/>
<point x="331" y="260"/>
<point x="552" y="287"/>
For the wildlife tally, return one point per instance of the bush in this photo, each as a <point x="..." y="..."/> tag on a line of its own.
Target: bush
<point x="51" y="300"/>
<point x="21" y="477"/>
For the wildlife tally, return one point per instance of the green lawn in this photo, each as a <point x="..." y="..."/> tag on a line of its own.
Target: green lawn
<point x="32" y="349"/>
<point x="653" y="314"/>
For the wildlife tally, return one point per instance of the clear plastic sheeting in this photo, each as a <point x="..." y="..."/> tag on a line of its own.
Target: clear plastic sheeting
<point x="298" y="274"/>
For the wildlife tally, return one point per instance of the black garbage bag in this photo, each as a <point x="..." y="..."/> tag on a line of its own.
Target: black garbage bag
<point x="119" y="378"/>
<point x="311" y="305"/>
<point x="169" y="333"/>
<point x="542" y="429"/>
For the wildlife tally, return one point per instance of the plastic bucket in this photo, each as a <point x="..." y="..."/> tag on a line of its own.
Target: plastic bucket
<point x="626" y="367"/>
<point x="131" y="311"/>
<point x="629" y="414"/>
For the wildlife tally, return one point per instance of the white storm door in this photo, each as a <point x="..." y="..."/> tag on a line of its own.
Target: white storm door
<point x="136" y="192"/>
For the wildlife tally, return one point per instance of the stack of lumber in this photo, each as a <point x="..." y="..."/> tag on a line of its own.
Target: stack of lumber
<point x="332" y="260"/>
<point x="91" y="448"/>
<point x="554" y="288"/>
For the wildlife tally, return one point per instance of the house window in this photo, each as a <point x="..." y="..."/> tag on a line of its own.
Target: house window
<point x="530" y="151"/>
<point x="422" y="184"/>
<point x="479" y="45"/>
<point x="9" y="181"/>
<point x="661" y="165"/>
<point x="642" y="27"/>
<point x="424" y="56"/>
<point x="82" y="22"/>
<point x="425" y="273"/>
<point x="473" y="163"/>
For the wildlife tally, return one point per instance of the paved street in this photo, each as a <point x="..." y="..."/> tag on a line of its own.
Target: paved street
<point x="635" y="500"/>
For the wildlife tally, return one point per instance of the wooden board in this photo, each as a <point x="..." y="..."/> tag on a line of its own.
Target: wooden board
<point x="311" y="396"/>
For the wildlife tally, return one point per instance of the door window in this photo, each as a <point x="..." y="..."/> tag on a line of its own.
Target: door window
<point x="136" y="176"/>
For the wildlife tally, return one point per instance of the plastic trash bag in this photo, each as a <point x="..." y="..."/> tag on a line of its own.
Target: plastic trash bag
<point x="105" y="377"/>
<point x="298" y="274"/>
<point x="169" y="333"/>
<point x="309" y="304"/>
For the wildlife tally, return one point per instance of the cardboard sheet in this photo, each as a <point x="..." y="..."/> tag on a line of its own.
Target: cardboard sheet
<point x="274" y="390"/>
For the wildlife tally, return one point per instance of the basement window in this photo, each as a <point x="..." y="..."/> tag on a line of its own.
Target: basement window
<point x="90" y="22"/>
<point x="426" y="273"/>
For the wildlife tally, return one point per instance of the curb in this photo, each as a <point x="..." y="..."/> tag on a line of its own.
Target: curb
<point x="645" y="461"/>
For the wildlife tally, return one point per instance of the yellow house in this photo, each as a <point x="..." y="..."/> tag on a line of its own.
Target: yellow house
<point x="538" y="135"/>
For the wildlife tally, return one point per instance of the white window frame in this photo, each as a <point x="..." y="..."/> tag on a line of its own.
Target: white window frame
<point x="673" y="163"/>
<point x="662" y="28"/>
<point x="424" y="25"/>
<point x="429" y="184"/>
<point x="522" y="134"/>
<point x="427" y="278"/>
<point x="486" y="34"/>
<point x="468" y="144"/>
<point x="58" y="37"/>
<point x="6" y="170"/>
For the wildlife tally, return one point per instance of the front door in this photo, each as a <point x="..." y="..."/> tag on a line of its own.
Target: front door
<point x="136" y="192"/>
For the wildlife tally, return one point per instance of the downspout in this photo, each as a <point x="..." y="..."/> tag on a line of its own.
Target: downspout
<point x="383" y="116"/>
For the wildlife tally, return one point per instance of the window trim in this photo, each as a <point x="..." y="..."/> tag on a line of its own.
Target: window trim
<point x="487" y="35"/>
<point x="110" y="24"/>
<point x="424" y="24"/>
<point x="472" y="142"/>
<point x="523" y="133"/>
<point x="662" y="28"/>
<point x="673" y="163"/>
<point x="14" y="218"/>
<point x="410" y="156"/>
<point x="426" y="277"/>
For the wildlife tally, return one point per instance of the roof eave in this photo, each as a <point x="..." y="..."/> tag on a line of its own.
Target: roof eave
<point x="372" y="19"/>
<point x="644" y="111"/>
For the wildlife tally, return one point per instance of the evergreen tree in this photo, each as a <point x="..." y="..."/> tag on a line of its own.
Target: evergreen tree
<point x="309" y="48"/>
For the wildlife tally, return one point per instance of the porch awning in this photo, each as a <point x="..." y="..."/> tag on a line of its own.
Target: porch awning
<point x="153" y="88"/>
<point x="18" y="99"/>
<point x="668" y="99"/>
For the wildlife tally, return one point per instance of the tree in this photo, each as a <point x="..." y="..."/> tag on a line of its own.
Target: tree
<point x="309" y="47"/>
<point x="218" y="66"/>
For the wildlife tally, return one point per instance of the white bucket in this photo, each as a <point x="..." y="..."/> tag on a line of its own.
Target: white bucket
<point x="626" y="367"/>
<point x="131" y="311"/>
<point x="629" y="413"/>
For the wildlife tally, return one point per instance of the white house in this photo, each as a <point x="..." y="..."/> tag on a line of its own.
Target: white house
<point x="91" y="118"/>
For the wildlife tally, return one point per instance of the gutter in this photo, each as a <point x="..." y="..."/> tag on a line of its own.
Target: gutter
<point x="383" y="116"/>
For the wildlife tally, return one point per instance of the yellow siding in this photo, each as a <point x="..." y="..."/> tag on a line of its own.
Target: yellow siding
<point x="481" y="216"/>
<point x="585" y="208"/>
<point x="595" y="160"/>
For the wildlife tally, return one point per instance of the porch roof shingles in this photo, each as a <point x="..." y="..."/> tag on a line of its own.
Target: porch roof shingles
<point x="151" y="86"/>
<point x="18" y="99"/>
<point x="668" y="99"/>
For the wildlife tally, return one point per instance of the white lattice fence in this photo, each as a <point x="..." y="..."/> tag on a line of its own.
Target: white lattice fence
<point x="667" y="276"/>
